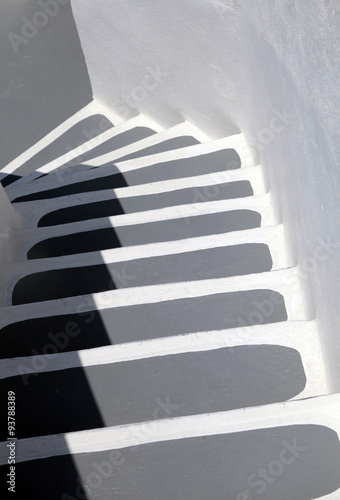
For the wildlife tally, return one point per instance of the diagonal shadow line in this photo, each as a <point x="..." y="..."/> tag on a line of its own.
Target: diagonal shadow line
<point x="64" y="401"/>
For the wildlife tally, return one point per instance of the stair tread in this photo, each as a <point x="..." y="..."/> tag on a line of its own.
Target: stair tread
<point x="157" y="273"/>
<point x="78" y="134"/>
<point x="110" y="177"/>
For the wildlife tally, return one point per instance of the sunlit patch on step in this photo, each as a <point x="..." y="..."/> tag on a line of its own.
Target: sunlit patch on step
<point x="294" y="462"/>
<point x="162" y="147"/>
<point x="142" y="234"/>
<point x="119" y="141"/>
<point x="122" y="393"/>
<point x="210" y="263"/>
<point x="88" y="328"/>
<point x="133" y="204"/>
<point x="217" y="161"/>
<point x="82" y="132"/>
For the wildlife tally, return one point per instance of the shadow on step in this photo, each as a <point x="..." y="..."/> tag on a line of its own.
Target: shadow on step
<point x="125" y="139"/>
<point x="296" y="461"/>
<point x="83" y="131"/>
<point x="133" y="204"/>
<point x="114" y="394"/>
<point x="211" y="263"/>
<point x="118" y="325"/>
<point x="54" y="399"/>
<point x="146" y="233"/>
<point x="217" y="161"/>
<point x="90" y="397"/>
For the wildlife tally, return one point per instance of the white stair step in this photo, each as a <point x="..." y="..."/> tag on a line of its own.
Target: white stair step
<point x="233" y="142"/>
<point x="272" y="236"/>
<point x="299" y="335"/>
<point x="260" y="204"/>
<point x="130" y="132"/>
<point x="89" y="110"/>
<point x="142" y="145"/>
<point x="285" y="282"/>
<point x="322" y="411"/>
<point x="205" y="186"/>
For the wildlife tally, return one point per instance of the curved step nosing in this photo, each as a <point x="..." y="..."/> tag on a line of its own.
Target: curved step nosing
<point x="76" y="152"/>
<point x="251" y="174"/>
<point x="158" y="138"/>
<point x="301" y="336"/>
<point x="232" y="142"/>
<point x="259" y="203"/>
<point x="318" y="411"/>
<point x="127" y="166"/>
<point x="286" y="282"/>
<point x="88" y="110"/>
<point x="273" y="237"/>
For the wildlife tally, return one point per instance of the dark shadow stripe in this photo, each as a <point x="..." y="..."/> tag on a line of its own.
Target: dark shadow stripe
<point x="86" y="330"/>
<point x="150" y="232"/>
<point x="125" y="139"/>
<point x="77" y="135"/>
<point x="119" y="141"/>
<point x="190" y="266"/>
<point x="162" y="147"/>
<point x="199" y="382"/>
<point x="9" y="179"/>
<point x="109" y="208"/>
<point x="217" y="161"/>
<point x="109" y="146"/>
<point x="304" y="458"/>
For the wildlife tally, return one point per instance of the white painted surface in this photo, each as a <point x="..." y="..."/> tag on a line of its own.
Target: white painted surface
<point x="252" y="174"/>
<point x="271" y="236"/>
<point x="285" y="281"/>
<point x="269" y="68"/>
<point x="89" y="110"/>
<point x="301" y="336"/>
<point x="126" y="41"/>
<point x="319" y="411"/>
<point x="236" y="142"/>
<point x="87" y="146"/>
<point x="298" y="66"/>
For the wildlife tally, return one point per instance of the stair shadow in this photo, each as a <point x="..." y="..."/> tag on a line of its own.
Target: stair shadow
<point x="217" y="161"/>
<point x="9" y="179"/>
<point x="63" y="401"/>
<point x="218" y="467"/>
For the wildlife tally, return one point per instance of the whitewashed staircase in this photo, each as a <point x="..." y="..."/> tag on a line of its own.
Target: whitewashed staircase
<point x="153" y="326"/>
